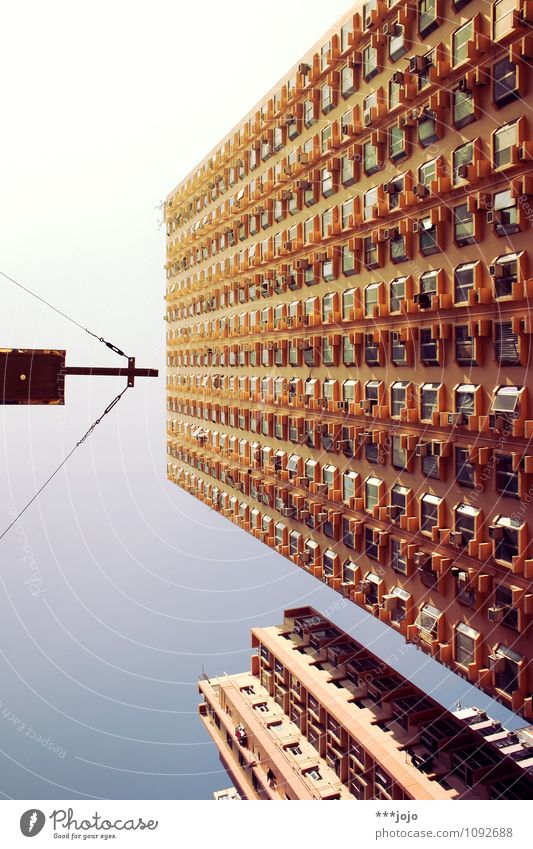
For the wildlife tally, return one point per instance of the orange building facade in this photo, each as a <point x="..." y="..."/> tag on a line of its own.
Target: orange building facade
<point x="348" y="337"/>
<point x="321" y="717"/>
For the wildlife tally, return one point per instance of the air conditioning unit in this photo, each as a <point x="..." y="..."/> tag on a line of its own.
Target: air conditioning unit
<point x="303" y="159"/>
<point x="287" y="246"/>
<point x="303" y="185"/>
<point x="420" y="190"/>
<point x="395" y="336"/>
<point x="456" y="418"/>
<point x="304" y="514"/>
<point x="422" y="449"/>
<point x="390" y="602"/>
<point x="393" y="511"/>
<point x="417" y="64"/>
<point x="420" y="558"/>
<point x="364" y="586"/>
<point x="290" y="321"/>
<point x="495" y="614"/>
<point x="423" y="299"/>
<point x="496" y="663"/>
<point x="367" y="117"/>
<point x="342" y="405"/>
<point x="398" y="77"/>
<point x="496" y="270"/>
<point x="322" y="516"/>
<point x="463" y="84"/>
<point x="456" y="539"/>
<point x="462" y="171"/>
<point x="496" y="532"/>
<point x="365" y="438"/>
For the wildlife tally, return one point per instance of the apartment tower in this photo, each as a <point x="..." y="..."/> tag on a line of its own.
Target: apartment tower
<point x="321" y="717"/>
<point x="349" y="336"/>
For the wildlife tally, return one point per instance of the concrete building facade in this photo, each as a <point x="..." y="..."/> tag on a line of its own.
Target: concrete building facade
<point x="349" y="335"/>
<point x="321" y="717"/>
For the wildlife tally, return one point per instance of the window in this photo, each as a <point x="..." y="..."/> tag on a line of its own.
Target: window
<point x="372" y="486"/>
<point x="398" y="454"/>
<point x="327" y="102"/>
<point x="427" y="16"/>
<point x="348" y="173"/>
<point x="504" y="145"/>
<point x="507" y="478"/>
<point x="465" y="399"/>
<point x="503" y="598"/>
<point x="429" y="347"/>
<point x="431" y="465"/>
<point x="395" y="88"/>
<point x="505" y="275"/>
<point x="328" y="563"/>
<point x="505" y="534"/>
<point x="398" y="350"/>
<point x="371" y="162"/>
<point x="503" y="12"/>
<point x="397" y="294"/>
<point x="371" y="298"/>
<point x="349" y="485"/>
<point x="348" y="81"/>
<point x="397" y="47"/>
<point x="372" y="551"/>
<point x="428" y="621"/>
<point x="429" y="512"/>
<point x="348" y="263"/>
<point x="463" y="282"/>
<point x="506" y="350"/>
<point x="428" y="236"/>
<point x="429" y="393"/>
<point x="465" y="521"/>
<point x="427" y="128"/>
<point x="309" y="113"/>
<point x="326" y="181"/>
<point x="398" y="562"/>
<point x="460" y="39"/>
<point x="462" y="156"/>
<point x="465" y="644"/>
<point x="506" y="400"/>
<point x="370" y="253"/>
<point x="427" y="288"/>
<point x="398" y="397"/>
<point x="463" y="107"/>
<point x="505" y="213"/>
<point x="372" y="350"/>
<point x="465" y="347"/>
<point x="464" y="469"/>
<point x="370" y="199"/>
<point x="507" y="669"/>
<point x="397" y="143"/>
<point x="371" y="394"/>
<point x="346" y="32"/>
<point x="370" y="62"/>
<point x="464" y="225"/>
<point x="398" y="247"/>
<point x="349" y="571"/>
<point x="505" y="82"/>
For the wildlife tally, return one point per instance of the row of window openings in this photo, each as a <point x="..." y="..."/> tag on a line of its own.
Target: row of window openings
<point x="306" y="193"/>
<point x="466" y="348"/>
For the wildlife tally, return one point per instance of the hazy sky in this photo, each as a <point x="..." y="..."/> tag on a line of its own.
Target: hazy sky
<point x="104" y="108"/>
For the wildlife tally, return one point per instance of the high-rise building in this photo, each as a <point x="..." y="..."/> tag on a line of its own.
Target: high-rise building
<point x="349" y="332"/>
<point x="321" y="717"/>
